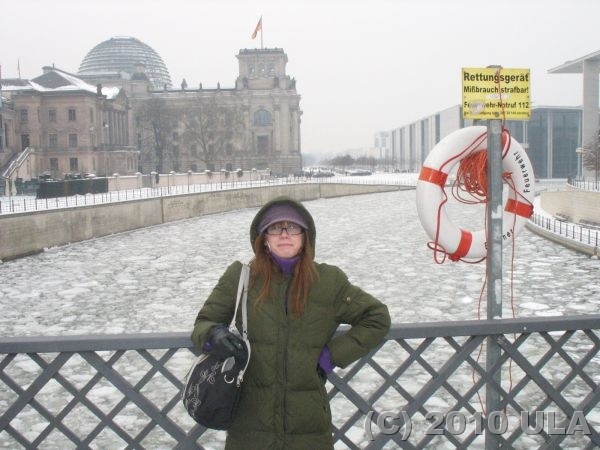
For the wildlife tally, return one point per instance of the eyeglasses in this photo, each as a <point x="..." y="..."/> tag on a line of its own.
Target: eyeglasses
<point x="291" y="228"/>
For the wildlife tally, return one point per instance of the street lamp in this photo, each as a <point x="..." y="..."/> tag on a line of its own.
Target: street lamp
<point x="580" y="151"/>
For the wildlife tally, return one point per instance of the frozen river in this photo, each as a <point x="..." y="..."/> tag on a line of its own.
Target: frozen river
<point x="156" y="279"/>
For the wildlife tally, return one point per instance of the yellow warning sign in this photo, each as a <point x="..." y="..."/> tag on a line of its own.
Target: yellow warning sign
<point x="495" y="93"/>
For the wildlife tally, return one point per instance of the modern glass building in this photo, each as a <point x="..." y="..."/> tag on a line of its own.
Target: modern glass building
<point x="550" y="137"/>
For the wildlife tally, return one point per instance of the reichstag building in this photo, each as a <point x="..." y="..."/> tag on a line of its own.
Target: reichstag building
<point x="122" y="113"/>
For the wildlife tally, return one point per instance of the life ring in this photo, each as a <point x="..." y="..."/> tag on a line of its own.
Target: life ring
<point x="458" y="243"/>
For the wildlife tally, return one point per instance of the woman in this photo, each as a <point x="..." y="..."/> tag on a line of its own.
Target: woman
<point x="294" y="308"/>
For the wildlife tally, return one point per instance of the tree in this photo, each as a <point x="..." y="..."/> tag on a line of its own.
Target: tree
<point x="367" y="161"/>
<point x="155" y="124"/>
<point x="591" y="156"/>
<point x="215" y="130"/>
<point x="342" y="161"/>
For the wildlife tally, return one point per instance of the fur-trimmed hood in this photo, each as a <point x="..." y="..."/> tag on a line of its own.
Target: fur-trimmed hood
<point x="311" y="232"/>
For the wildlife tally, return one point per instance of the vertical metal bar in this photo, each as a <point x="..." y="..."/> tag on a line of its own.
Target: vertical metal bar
<point x="494" y="264"/>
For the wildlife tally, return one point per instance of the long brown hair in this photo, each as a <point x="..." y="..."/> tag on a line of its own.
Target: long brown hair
<point x="305" y="273"/>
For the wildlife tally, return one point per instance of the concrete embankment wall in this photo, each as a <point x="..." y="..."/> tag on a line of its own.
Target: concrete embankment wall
<point x="30" y="233"/>
<point x="575" y="204"/>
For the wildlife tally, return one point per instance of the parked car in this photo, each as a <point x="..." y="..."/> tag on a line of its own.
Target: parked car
<point x="322" y="173"/>
<point x="302" y="173"/>
<point x="359" y="172"/>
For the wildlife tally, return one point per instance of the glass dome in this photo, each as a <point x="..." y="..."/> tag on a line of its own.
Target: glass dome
<point x="122" y="54"/>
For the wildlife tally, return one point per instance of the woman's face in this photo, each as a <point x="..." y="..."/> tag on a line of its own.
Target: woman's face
<point x="285" y="239"/>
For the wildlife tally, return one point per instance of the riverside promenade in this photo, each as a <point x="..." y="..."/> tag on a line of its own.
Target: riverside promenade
<point x="39" y="226"/>
<point x="568" y="214"/>
<point x="79" y="218"/>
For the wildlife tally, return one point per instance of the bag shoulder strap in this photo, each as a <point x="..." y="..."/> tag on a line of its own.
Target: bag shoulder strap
<point x="242" y="297"/>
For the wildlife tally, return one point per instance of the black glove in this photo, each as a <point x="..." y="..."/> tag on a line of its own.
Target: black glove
<point x="223" y="343"/>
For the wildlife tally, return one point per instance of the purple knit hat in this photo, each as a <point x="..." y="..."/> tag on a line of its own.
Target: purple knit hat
<point x="281" y="213"/>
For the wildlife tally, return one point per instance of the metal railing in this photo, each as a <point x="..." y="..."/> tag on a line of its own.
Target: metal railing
<point x="585" y="185"/>
<point x="16" y="162"/>
<point x="31" y="204"/>
<point x="588" y="235"/>
<point x="420" y="388"/>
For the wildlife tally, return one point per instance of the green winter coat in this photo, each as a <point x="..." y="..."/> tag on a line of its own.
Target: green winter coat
<point x="284" y="402"/>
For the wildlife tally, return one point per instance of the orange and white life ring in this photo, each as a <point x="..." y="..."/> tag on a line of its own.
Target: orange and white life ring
<point x="458" y="243"/>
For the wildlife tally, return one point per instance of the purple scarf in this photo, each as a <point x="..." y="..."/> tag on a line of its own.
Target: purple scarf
<point x="286" y="264"/>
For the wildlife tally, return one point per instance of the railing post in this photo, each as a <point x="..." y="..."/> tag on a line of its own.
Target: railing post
<point x="494" y="267"/>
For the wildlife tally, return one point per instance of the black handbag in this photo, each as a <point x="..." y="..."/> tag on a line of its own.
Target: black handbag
<point x="212" y="386"/>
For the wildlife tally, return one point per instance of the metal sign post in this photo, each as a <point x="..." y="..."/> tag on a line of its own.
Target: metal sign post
<point x="494" y="267"/>
<point x="494" y="94"/>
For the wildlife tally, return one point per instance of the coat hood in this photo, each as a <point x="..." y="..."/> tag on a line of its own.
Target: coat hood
<point x="283" y="200"/>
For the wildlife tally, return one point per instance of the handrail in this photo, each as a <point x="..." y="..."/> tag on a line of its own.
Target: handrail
<point x="16" y="162"/>
<point x="86" y="343"/>
<point x="124" y="390"/>
<point x="22" y="205"/>
<point x="412" y="330"/>
<point x="593" y="186"/>
<point x="576" y="232"/>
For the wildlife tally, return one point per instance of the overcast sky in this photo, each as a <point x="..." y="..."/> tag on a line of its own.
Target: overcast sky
<point x="361" y="66"/>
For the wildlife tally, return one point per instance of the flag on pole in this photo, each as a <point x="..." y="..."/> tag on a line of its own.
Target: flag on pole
<point x="258" y="28"/>
<point x="19" y="68"/>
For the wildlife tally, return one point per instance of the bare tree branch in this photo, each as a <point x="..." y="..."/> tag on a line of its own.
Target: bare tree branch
<point x="156" y="125"/>
<point x="215" y="130"/>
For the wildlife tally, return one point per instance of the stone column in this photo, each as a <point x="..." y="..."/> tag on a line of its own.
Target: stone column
<point x="591" y="69"/>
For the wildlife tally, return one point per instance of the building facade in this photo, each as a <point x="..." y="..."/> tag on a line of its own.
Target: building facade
<point x="253" y="125"/>
<point x="63" y="126"/>
<point x="120" y="114"/>
<point x="550" y="137"/>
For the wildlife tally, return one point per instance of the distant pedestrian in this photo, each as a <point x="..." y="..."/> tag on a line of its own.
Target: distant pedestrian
<point x="294" y="308"/>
